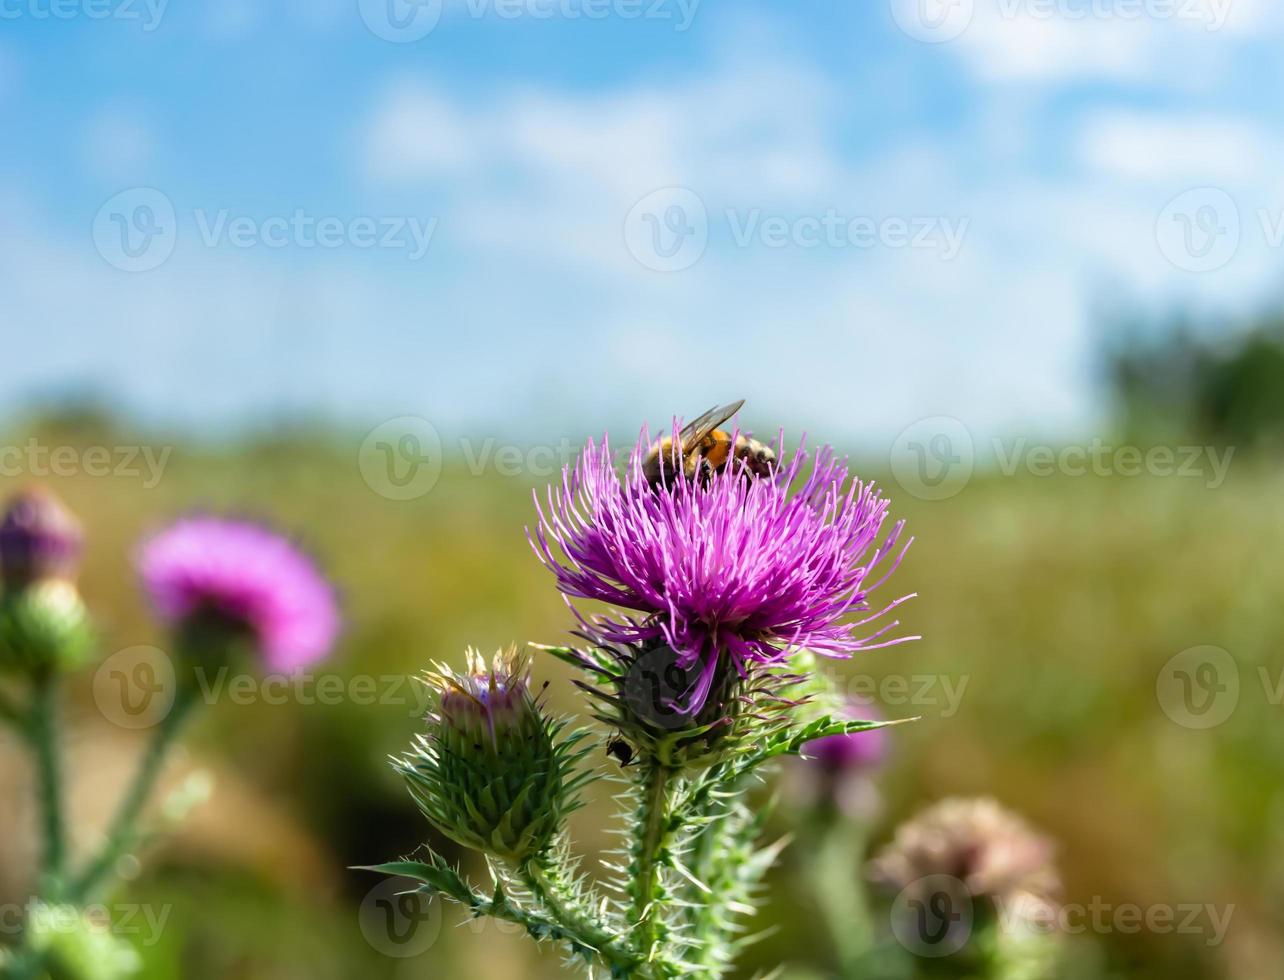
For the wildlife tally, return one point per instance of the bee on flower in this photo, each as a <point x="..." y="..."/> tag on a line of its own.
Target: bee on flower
<point x="729" y="572"/>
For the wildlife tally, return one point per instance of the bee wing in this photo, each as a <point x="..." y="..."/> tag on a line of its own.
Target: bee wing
<point x="695" y="431"/>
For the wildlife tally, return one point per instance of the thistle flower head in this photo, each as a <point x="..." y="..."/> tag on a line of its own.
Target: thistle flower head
<point x="213" y="576"/>
<point x="492" y="772"/>
<point x="40" y="539"/>
<point x="731" y="570"/>
<point x="991" y="850"/>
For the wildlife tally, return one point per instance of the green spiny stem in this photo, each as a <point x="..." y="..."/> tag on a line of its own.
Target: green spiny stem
<point x="547" y="883"/>
<point x="704" y="915"/>
<point x="123" y="832"/>
<point x="653" y="829"/>
<point x="45" y="741"/>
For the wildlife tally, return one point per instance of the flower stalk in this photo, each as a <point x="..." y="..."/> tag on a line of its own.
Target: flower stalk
<point x="648" y="892"/>
<point x="546" y="880"/>
<point x="48" y="752"/>
<point x="123" y="833"/>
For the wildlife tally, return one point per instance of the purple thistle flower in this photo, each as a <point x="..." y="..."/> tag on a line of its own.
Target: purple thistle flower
<point x="248" y="574"/>
<point x="736" y="566"/>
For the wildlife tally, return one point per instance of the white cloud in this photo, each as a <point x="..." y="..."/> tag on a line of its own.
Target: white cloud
<point x="530" y="291"/>
<point x="117" y="144"/>
<point x="757" y="129"/>
<point x="1147" y="146"/>
<point x="1030" y="48"/>
<point x="416" y="133"/>
<point x="1170" y="44"/>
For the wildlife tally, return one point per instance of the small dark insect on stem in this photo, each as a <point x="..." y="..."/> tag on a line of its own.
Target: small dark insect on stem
<point x="619" y="749"/>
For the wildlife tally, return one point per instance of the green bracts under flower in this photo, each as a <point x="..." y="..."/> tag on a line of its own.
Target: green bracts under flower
<point x="492" y="772"/>
<point x="636" y="690"/>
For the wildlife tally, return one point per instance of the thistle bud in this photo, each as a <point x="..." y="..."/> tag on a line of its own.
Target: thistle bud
<point x="492" y="772"/>
<point x="43" y="621"/>
<point x="44" y="626"/>
<point x="40" y="539"/>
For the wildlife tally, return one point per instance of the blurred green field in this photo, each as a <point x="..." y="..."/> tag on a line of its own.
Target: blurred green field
<point x="1048" y="608"/>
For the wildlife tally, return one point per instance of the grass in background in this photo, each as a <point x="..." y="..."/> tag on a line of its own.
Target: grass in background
<point x="1049" y="605"/>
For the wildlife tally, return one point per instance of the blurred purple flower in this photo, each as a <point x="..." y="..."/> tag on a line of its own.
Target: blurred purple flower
<point x="39" y="539"/>
<point x="749" y="568"/>
<point x="835" y="772"/>
<point x="248" y="574"/>
<point x="991" y="850"/>
<point x="841" y="754"/>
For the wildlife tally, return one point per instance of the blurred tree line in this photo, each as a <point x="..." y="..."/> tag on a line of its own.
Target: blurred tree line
<point x="1186" y="378"/>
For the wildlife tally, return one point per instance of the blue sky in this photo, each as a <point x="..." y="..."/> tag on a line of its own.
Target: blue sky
<point x="877" y="219"/>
